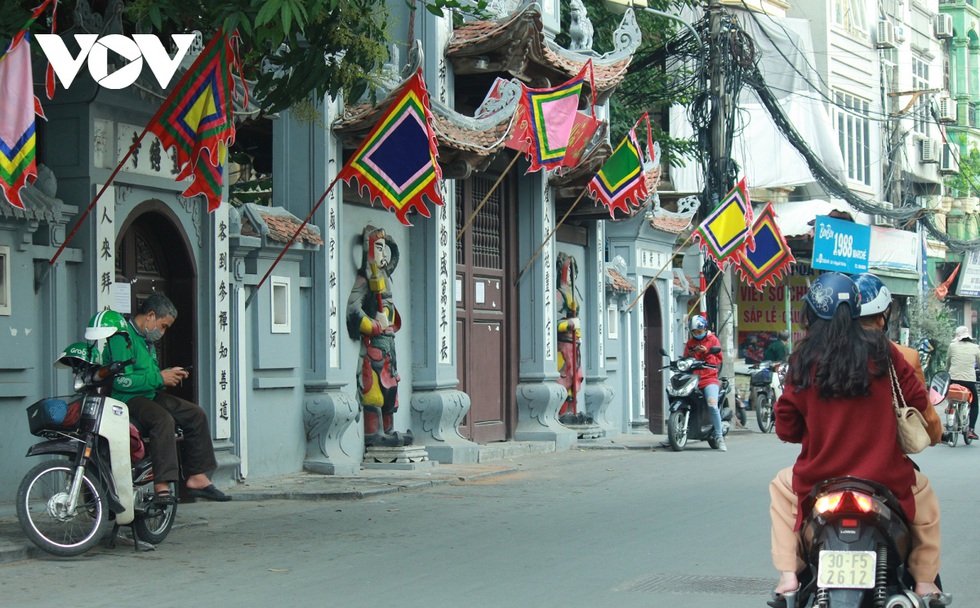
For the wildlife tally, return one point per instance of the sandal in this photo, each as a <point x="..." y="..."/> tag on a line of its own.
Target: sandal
<point x="783" y="600"/>
<point x="163" y="498"/>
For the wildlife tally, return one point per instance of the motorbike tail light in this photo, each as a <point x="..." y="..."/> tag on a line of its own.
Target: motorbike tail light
<point x="844" y="502"/>
<point x="828" y="503"/>
<point x="849" y="523"/>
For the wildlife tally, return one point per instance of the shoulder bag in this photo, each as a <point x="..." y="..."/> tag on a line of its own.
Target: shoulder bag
<point x="912" y="434"/>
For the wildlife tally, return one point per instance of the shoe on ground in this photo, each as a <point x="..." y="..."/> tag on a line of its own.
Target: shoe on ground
<point x="972" y="435"/>
<point x="209" y="493"/>
<point x="720" y="442"/>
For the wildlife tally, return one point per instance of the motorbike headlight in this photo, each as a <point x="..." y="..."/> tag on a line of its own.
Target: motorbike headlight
<point x="79" y="383"/>
<point x="685" y="365"/>
<point x="682" y="389"/>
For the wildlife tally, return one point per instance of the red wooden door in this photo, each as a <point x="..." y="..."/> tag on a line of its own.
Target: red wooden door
<point x="485" y="314"/>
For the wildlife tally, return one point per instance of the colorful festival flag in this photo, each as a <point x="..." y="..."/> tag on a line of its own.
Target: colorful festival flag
<point x="198" y="119"/>
<point x="546" y="118"/>
<point x="583" y="130"/>
<point x="18" y="105"/>
<point x="621" y="178"/>
<point x="726" y="229"/>
<point x="397" y="161"/>
<point x="771" y="257"/>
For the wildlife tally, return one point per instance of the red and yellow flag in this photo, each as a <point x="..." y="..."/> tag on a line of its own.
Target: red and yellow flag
<point x="198" y="120"/>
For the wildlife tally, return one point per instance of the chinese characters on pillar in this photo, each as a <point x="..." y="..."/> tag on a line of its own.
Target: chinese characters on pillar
<point x="333" y="268"/>
<point x="547" y="261"/>
<point x="105" y="238"/>
<point x="600" y="291"/>
<point x="222" y="329"/>
<point x="442" y="331"/>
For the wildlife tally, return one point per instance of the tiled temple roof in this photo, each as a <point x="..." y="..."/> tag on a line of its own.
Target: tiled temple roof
<point x="517" y="44"/>
<point x="617" y="282"/>
<point x="277" y="225"/>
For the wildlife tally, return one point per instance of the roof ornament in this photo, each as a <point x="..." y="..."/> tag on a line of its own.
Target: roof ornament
<point x="580" y="28"/>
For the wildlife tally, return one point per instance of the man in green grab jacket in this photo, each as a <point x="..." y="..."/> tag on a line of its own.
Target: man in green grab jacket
<point x="156" y="412"/>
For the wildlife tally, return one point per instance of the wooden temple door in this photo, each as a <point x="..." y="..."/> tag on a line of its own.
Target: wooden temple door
<point x="486" y="313"/>
<point x="153" y="256"/>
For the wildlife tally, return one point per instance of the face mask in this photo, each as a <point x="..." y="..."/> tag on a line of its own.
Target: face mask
<point x="700" y="335"/>
<point x="153" y="334"/>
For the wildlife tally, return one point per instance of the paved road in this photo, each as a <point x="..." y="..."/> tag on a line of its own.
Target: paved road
<point x="578" y="529"/>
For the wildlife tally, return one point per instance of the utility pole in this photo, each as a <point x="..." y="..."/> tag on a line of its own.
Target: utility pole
<point x="719" y="184"/>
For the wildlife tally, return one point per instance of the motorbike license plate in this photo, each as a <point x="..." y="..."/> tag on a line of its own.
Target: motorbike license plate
<point x="846" y="569"/>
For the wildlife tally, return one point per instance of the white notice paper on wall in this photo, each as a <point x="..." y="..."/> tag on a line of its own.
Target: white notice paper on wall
<point x="481" y="292"/>
<point x="122" y="294"/>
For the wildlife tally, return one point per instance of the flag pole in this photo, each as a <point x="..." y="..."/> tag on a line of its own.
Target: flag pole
<point x="690" y="313"/>
<point x="662" y="268"/>
<point x="547" y="238"/>
<point x="459" y="234"/>
<point x="115" y="172"/>
<point x="293" y="238"/>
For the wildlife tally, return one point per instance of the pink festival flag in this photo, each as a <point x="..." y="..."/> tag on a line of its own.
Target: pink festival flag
<point x="18" y="105"/>
<point x="546" y="118"/>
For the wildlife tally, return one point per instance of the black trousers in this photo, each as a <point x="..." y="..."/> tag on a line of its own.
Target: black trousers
<point x="972" y="385"/>
<point x="157" y="419"/>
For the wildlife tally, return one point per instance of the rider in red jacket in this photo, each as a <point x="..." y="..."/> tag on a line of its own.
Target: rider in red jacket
<point x="698" y="346"/>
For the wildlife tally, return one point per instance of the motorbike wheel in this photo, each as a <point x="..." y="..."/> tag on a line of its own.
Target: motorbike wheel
<point x="41" y="508"/>
<point x="741" y="414"/>
<point x="966" y="437"/>
<point x="677" y="431"/>
<point x="763" y="413"/>
<point x="154" y="524"/>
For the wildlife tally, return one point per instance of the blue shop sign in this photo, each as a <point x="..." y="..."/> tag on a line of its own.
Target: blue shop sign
<point x="840" y="245"/>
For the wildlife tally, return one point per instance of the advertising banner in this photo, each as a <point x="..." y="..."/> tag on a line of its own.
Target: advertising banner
<point x="762" y="314"/>
<point x="840" y="245"/>
<point x="969" y="284"/>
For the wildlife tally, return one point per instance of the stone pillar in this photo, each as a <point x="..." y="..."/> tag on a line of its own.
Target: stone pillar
<point x="598" y="393"/>
<point x="539" y="396"/>
<point x="437" y="407"/>
<point x="309" y="158"/>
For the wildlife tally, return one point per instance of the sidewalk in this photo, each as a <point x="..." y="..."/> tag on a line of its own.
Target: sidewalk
<point x="495" y="459"/>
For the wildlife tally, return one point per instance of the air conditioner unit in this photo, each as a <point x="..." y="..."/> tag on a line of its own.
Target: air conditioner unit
<point x="883" y="220"/>
<point x="947" y="108"/>
<point x="929" y="151"/>
<point x="949" y="160"/>
<point x="886" y="35"/>
<point x="942" y="25"/>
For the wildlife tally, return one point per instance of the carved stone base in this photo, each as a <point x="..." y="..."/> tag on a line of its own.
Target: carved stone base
<point x="409" y="457"/>
<point x="586" y="431"/>
<point x="537" y="414"/>
<point x="438" y="414"/>
<point x="598" y="397"/>
<point x="327" y="415"/>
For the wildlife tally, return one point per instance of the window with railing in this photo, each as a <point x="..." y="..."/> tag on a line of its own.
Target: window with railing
<point x="854" y="135"/>
<point x="974" y="115"/>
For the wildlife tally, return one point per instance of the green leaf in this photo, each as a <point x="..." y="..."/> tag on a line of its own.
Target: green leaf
<point x="435" y="10"/>
<point x="287" y="17"/>
<point x="268" y="11"/>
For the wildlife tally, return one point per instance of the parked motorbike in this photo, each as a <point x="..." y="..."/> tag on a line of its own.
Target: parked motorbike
<point x="689" y="418"/>
<point x="766" y="385"/>
<point x="856" y="542"/>
<point x="957" y="416"/>
<point x="65" y="504"/>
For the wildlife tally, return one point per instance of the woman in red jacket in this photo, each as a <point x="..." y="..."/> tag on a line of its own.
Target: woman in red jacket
<point x="837" y="403"/>
<point x="697" y="346"/>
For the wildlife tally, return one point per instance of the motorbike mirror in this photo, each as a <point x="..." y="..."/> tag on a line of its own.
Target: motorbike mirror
<point x="663" y="352"/>
<point x="939" y="387"/>
<point x="714" y="350"/>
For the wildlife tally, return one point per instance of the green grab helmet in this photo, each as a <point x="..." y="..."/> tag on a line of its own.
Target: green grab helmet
<point x="77" y="355"/>
<point x="105" y="323"/>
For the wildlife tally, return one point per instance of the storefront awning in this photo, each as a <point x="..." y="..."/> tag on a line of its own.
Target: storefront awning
<point x="899" y="283"/>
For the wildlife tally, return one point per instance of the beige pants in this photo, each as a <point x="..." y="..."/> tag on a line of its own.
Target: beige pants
<point x="786" y="549"/>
